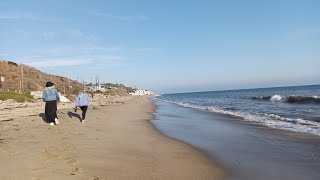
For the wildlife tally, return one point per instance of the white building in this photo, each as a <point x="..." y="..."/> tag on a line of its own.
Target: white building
<point x="38" y="95"/>
<point x="141" y="93"/>
<point x="95" y="88"/>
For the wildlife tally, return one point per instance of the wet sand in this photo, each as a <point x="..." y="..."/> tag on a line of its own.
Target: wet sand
<point x="248" y="151"/>
<point x="116" y="142"/>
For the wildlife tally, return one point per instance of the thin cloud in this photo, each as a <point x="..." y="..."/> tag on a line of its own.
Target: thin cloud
<point x="96" y="61"/>
<point x="19" y="16"/>
<point x="145" y="49"/>
<point x="74" y="33"/>
<point x="48" y="35"/>
<point x="23" y="31"/>
<point x="80" y="51"/>
<point x="3" y="55"/>
<point x="122" y="18"/>
<point x="27" y="16"/>
<point x="68" y="33"/>
<point x="58" y="62"/>
<point x="91" y="38"/>
<point x="77" y="33"/>
<point x="104" y="63"/>
<point x="102" y="49"/>
<point x="108" y="57"/>
<point x="145" y="18"/>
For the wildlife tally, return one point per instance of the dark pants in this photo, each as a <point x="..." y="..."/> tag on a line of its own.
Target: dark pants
<point x="51" y="111"/>
<point x="84" y="111"/>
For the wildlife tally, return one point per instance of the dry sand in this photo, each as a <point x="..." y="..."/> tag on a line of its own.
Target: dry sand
<point x="116" y="142"/>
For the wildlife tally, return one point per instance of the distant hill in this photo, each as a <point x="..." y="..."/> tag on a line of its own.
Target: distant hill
<point x="33" y="79"/>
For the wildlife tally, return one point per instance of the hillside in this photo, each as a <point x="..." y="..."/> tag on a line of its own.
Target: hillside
<point x="33" y="79"/>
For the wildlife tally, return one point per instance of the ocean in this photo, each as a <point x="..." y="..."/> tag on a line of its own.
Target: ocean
<point x="269" y="133"/>
<point x="291" y="108"/>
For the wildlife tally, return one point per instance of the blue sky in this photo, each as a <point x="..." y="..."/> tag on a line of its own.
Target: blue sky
<point x="167" y="45"/>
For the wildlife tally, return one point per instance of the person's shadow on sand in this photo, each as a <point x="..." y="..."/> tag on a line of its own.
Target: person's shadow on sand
<point x="43" y="116"/>
<point x="72" y="114"/>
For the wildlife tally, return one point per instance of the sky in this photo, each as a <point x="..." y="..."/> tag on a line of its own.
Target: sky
<point x="167" y="45"/>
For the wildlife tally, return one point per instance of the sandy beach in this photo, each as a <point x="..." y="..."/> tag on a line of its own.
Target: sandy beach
<point x="116" y="142"/>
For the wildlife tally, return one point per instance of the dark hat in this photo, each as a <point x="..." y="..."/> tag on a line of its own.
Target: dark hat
<point x="49" y="84"/>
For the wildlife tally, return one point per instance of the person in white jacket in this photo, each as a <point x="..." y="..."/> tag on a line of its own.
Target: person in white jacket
<point x="82" y="101"/>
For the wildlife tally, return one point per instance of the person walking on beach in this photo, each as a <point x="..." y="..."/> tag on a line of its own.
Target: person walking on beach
<point x="52" y="98"/>
<point x="82" y="101"/>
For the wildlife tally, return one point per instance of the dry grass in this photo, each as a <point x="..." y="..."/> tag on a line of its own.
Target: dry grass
<point x="33" y="79"/>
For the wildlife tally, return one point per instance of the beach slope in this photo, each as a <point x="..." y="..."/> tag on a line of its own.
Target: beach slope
<point x="116" y="142"/>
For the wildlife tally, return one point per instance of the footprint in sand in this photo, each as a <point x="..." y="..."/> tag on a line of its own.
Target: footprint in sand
<point x="74" y="166"/>
<point x="73" y="162"/>
<point x="96" y="178"/>
<point x="52" y="152"/>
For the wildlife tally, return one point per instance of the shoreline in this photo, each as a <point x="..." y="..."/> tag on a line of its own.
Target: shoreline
<point x="246" y="151"/>
<point x="118" y="142"/>
<point x="201" y="151"/>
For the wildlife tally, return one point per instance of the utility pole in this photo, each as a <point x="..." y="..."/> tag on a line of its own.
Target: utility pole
<point x="95" y="88"/>
<point x="98" y="83"/>
<point x="68" y="85"/>
<point x="21" y="86"/>
<point x="91" y="84"/>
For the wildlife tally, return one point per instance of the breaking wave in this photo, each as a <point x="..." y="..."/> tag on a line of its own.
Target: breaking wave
<point x="289" y="99"/>
<point x="270" y="120"/>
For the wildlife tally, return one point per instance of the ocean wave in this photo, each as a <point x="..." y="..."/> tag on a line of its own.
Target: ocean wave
<point x="261" y="97"/>
<point x="244" y="115"/>
<point x="270" y="120"/>
<point x="291" y="120"/>
<point x="273" y="120"/>
<point x="261" y="117"/>
<point x="289" y="99"/>
<point x="276" y="98"/>
<point x="303" y="99"/>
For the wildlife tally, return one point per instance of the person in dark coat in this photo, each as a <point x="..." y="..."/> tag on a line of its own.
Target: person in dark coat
<point x="52" y="98"/>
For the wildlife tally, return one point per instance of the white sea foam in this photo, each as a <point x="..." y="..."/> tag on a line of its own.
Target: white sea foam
<point x="276" y="98"/>
<point x="270" y="120"/>
<point x="289" y="99"/>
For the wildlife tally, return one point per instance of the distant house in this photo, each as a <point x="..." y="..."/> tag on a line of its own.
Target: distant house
<point x="141" y="93"/>
<point x="38" y="95"/>
<point x="94" y="87"/>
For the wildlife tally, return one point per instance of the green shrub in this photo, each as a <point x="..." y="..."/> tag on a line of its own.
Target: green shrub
<point x="16" y="96"/>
